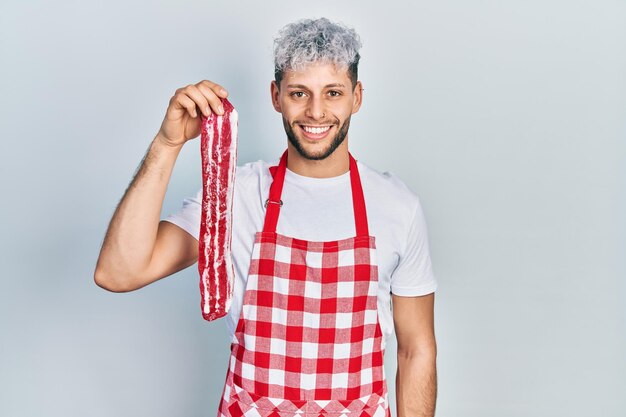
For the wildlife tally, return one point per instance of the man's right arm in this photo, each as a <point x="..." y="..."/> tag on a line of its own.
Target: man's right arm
<point x="135" y="236"/>
<point x="138" y="247"/>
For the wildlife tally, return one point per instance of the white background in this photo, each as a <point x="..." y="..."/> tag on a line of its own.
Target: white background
<point x="506" y="118"/>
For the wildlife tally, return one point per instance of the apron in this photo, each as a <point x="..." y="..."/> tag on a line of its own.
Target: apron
<point x="308" y="341"/>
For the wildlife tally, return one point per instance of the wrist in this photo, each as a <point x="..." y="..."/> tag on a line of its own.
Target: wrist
<point x="165" y="145"/>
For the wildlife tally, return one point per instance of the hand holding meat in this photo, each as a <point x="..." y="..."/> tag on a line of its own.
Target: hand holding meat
<point x="182" y="120"/>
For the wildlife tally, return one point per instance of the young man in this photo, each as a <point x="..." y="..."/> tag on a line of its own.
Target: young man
<point x="347" y="242"/>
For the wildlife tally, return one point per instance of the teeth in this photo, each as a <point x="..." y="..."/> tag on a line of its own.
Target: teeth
<point x="316" y="130"/>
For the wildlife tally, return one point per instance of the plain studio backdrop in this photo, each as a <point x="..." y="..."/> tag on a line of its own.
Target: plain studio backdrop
<point x="508" y="119"/>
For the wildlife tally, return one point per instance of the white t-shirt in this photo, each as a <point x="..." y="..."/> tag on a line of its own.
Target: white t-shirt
<point x="320" y="209"/>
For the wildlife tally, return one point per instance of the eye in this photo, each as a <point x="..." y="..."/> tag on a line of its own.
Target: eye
<point x="334" y="93"/>
<point x="297" y="94"/>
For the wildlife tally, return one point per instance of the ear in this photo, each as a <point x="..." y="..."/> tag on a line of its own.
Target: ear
<point x="275" y="93"/>
<point x="358" y="97"/>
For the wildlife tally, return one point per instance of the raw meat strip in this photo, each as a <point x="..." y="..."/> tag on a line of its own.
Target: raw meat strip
<point x="219" y="159"/>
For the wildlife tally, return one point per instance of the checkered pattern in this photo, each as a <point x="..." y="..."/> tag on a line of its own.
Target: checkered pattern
<point x="309" y="324"/>
<point x="238" y="402"/>
<point x="308" y="341"/>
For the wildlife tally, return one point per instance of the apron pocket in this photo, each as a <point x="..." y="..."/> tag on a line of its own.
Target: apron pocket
<point x="242" y="402"/>
<point x="245" y="403"/>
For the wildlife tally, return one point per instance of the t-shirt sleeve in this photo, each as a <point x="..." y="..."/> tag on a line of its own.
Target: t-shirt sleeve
<point x="188" y="216"/>
<point x="414" y="274"/>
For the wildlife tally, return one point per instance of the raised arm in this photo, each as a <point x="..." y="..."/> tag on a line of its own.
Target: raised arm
<point x="138" y="248"/>
<point x="416" y="377"/>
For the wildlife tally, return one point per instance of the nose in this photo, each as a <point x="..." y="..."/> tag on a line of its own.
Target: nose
<point x="315" y="109"/>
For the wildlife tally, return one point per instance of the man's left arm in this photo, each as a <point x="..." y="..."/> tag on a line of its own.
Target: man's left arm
<point x="416" y="377"/>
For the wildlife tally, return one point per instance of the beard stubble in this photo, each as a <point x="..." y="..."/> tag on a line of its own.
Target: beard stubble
<point x="334" y="144"/>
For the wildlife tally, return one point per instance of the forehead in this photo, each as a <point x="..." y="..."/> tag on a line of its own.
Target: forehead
<point x="317" y="75"/>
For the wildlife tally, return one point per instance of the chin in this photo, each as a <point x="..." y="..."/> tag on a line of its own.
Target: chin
<point x="313" y="151"/>
<point x="316" y="150"/>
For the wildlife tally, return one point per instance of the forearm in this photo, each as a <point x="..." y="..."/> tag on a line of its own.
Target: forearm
<point x="416" y="384"/>
<point x="131" y="235"/>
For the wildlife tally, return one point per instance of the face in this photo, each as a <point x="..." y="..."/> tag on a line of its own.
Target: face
<point x="316" y="105"/>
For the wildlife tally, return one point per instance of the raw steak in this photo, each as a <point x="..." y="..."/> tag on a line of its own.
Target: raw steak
<point x="219" y="159"/>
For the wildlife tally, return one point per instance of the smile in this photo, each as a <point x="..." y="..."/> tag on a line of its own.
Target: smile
<point x="315" y="132"/>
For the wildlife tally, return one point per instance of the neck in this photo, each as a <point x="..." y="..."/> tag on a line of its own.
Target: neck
<point x="334" y="165"/>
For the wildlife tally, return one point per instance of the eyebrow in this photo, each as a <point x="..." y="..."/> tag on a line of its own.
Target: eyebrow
<point x="334" y="85"/>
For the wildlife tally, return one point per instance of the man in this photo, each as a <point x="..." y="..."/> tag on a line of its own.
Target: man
<point x="346" y="244"/>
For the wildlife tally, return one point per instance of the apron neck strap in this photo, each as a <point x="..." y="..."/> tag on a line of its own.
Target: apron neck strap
<point x="274" y="202"/>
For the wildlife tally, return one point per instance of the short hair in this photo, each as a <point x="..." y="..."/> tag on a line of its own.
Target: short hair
<point x="308" y="41"/>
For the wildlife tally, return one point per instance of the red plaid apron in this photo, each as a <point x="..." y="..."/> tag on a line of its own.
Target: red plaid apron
<point x="308" y="340"/>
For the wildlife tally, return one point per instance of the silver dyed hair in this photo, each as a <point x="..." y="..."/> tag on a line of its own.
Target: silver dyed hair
<point x="308" y="41"/>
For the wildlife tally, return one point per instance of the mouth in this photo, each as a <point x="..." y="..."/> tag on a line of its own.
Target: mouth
<point x="315" y="132"/>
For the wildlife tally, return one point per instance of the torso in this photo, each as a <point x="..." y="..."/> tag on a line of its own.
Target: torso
<point x="320" y="210"/>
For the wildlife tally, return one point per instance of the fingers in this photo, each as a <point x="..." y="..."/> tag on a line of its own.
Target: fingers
<point x="183" y="101"/>
<point x="205" y="96"/>
<point x="217" y="89"/>
<point x="198" y="98"/>
<point x="213" y="93"/>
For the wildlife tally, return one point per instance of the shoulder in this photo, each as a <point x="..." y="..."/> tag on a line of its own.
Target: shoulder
<point x="252" y="173"/>
<point x="251" y="169"/>
<point x="390" y="189"/>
